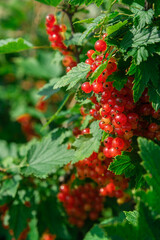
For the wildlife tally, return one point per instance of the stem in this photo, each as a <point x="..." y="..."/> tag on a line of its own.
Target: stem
<point x="147" y="5"/>
<point x="70" y="15"/>
<point x="59" y="109"/>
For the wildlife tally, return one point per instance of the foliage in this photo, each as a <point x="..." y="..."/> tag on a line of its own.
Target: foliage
<point x="51" y="130"/>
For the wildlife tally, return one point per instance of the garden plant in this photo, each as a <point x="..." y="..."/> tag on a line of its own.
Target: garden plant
<point x="80" y="120"/>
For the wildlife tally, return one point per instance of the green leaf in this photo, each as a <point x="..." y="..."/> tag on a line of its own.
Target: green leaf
<point x="145" y="72"/>
<point x="154" y="96"/>
<point x="122" y="165"/>
<point x="150" y="153"/>
<point x="19" y="215"/>
<point x="73" y="40"/>
<point x="148" y="227"/>
<point x="157" y="7"/>
<point x="9" y="186"/>
<point x="50" y="2"/>
<point x="87" y="2"/>
<point x="86" y="121"/>
<point x="143" y="18"/>
<point x="132" y="217"/>
<point x="88" y="20"/>
<point x="141" y="37"/>
<point x="97" y="22"/>
<point x="74" y="76"/>
<point x="33" y="232"/>
<point x="96" y="233"/>
<point x="86" y="145"/>
<point x="45" y="65"/>
<point x="11" y="45"/>
<point x="46" y="156"/>
<point x="101" y="68"/>
<point x="115" y="27"/>
<point x="81" y="96"/>
<point x="53" y="218"/>
<point x="48" y="90"/>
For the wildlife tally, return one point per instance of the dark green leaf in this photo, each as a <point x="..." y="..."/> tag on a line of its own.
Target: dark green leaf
<point x="141" y="37"/>
<point x="19" y="216"/>
<point x="154" y="96"/>
<point x="150" y="153"/>
<point x="53" y="218"/>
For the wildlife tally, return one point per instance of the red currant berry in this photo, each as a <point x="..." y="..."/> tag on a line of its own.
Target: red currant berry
<point x="86" y="87"/>
<point x="100" y="46"/>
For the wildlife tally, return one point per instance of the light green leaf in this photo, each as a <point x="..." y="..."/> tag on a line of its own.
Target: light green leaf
<point x="9" y="186"/>
<point x="115" y="27"/>
<point x="33" y="232"/>
<point x="132" y="217"/>
<point x="74" y="76"/>
<point x="47" y="156"/>
<point x="11" y="45"/>
<point x="97" y="22"/>
<point x="86" y="145"/>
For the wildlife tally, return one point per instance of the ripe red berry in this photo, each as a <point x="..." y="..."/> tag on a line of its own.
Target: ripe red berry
<point x="120" y="119"/>
<point x="100" y="46"/>
<point x="86" y="87"/>
<point x="108" y="142"/>
<point x="97" y="87"/>
<point x="90" y="53"/>
<point x="108" y="128"/>
<point x="50" y="20"/>
<point x="153" y="127"/>
<point x="114" y="152"/>
<point x="86" y="131"/>
<point x="118" y="143"/>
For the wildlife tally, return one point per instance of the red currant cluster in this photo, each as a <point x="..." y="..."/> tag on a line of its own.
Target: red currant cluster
<point x="79" y="203"/>
<point x="117" y="112"/>
<point x="56" y="37"/>
<point x="95" y="61"/>
<point x="95" y="168"/>
<point x="55" y="32"/>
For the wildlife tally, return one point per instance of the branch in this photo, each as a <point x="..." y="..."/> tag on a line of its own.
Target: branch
<point x="70" y="15"/>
